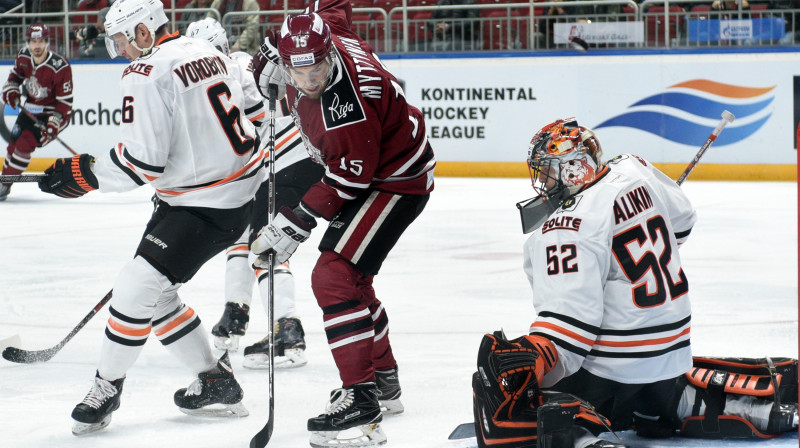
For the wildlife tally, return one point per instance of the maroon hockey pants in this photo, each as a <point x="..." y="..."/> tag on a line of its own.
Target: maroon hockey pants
<point x="355" y="322"/>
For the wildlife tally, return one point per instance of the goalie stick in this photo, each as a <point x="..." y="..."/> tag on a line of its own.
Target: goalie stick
<point x="467" y="430"/>
<point x="727" y="117"/>
<point x="14" y="354"/>
<point x="261" y="439"/>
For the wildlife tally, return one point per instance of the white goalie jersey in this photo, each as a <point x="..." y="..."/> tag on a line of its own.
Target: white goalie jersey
<point x="608" y="286"/>
<point x="185" y="128"/>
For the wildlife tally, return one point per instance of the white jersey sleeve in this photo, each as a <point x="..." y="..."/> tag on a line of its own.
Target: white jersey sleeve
<point x="255" y="110"/>
<point x="608" y="286"/>
<point x="184" y="129"/>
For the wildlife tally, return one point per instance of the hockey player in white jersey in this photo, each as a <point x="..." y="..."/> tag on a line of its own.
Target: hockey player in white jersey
<point x="613" y="315"/>
<point x="295" y="174"/>
<point x="184" y="132"/>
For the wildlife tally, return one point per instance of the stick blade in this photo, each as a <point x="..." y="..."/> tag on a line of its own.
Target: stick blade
<point x="462" y="431"/>
<point x="13" y="341"/>
<point x="261" y="439"/>
<point x="17" y="355"/>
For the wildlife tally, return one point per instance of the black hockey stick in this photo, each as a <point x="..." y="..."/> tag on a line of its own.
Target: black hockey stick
<point x="261" y="439"/>
<point x="10" y="178"/>
<point x="14" y="354"/>
<point x="727" y="117"/>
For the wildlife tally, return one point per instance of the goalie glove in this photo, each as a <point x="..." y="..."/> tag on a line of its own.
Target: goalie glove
<point x="70" y="178"/>
<point x="11" y="94"/>
<point x="50" y="130"/>
<point x="267" y="67"/>
<point x="511" y="371"/>
<point x="281" y="237"/>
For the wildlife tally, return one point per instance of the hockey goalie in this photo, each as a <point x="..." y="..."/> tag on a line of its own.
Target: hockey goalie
<point x="609" y="348"/>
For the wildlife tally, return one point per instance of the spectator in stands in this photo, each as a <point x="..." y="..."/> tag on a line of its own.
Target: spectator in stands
<point x="553" y="13"/>
<point x="194" y="16"/>
<point x="92" y="39"/>
<point x="242" y="30"/>
<point x="453" y="29"/>
<point x="730" y="6"/>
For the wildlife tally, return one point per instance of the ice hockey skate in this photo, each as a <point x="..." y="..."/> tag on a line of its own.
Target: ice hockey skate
<point x="351" y="419"/>
<point x="290" y="347"/>
<point x="4" y="191"/>
<point x="215" y="393"/>
<point x="389" y="391"/>
<point x="94" y="412"/>
<point x="231" y="326"/>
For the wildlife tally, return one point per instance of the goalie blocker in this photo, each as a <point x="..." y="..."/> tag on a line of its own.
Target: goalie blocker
<point x="512" y="412"/>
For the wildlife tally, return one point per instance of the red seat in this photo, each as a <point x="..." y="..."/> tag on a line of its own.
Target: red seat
<point x="498" y="35"/>
<point x="655" y="25"/>
<point x="758" y="7"/>
<point x="362" y="3"/>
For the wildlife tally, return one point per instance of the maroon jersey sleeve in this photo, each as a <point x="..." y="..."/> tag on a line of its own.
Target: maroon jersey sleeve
<point x="336" y="13"/>
<point x="17" y="74"/>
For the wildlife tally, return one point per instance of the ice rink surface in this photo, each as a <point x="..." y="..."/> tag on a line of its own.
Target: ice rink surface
<point x="455" y="275"/>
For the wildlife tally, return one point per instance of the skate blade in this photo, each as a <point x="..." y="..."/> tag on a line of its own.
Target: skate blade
<point x="391" y="407"/>
<point x="230" y="343"/>
<point x="294" y="358"/>
<point x="360" y="436"/>
<point x="218" y="410"/>
<point x="81" y="429"/>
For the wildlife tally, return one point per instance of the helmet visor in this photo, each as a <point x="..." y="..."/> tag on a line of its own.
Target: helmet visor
<point x="115" y="44"/>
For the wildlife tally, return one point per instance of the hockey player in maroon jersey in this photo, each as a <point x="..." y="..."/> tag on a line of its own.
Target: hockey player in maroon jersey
<point x="45" y="79"/>
<point x="613" y="317"/>
<point x="355" y="121"/>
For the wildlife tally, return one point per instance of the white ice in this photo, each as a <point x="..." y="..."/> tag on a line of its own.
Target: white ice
<point x="455" y="275"/>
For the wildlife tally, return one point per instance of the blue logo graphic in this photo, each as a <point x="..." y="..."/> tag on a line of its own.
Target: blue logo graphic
<point x="739" y="100"/>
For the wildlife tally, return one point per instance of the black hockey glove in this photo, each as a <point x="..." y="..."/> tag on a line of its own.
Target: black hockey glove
<point x="70" y="178"/>
<point x="267" y="67"/>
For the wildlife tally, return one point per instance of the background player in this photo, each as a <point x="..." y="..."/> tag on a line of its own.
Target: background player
<point x="295" y="173"/>
<point x="355" y="121"/>
<point x="202" y="157"/>
<point x="45" y="79"/>
<point x="613" y="311"/>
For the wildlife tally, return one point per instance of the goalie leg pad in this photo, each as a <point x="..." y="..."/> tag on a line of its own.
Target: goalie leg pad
<point x="756" y="376"/>
<point x="760" y="384"/>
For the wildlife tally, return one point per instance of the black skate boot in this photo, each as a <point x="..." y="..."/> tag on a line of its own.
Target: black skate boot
<point x="389" y="391"/>
<point x="213" y="393"/>
<point x="290" y="347"/>
<point x="351" y="407"/>
<point x="4" y="190"/>
<point x="94" y="412"/>
<point x="231" y="326"/>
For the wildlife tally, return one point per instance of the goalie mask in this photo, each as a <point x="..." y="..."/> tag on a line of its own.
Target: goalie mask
<point x="563" y="157"/>
<point x="210" y="30"/>
<point x="125" y="15"/>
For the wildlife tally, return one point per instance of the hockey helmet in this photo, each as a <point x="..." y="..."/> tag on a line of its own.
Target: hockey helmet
<point x="305" y="40"/>
<point x="210" y="30"/>
<point x="125" y="15"/>
<point x="563" y="157"/>
<point x="37" y="30"/>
